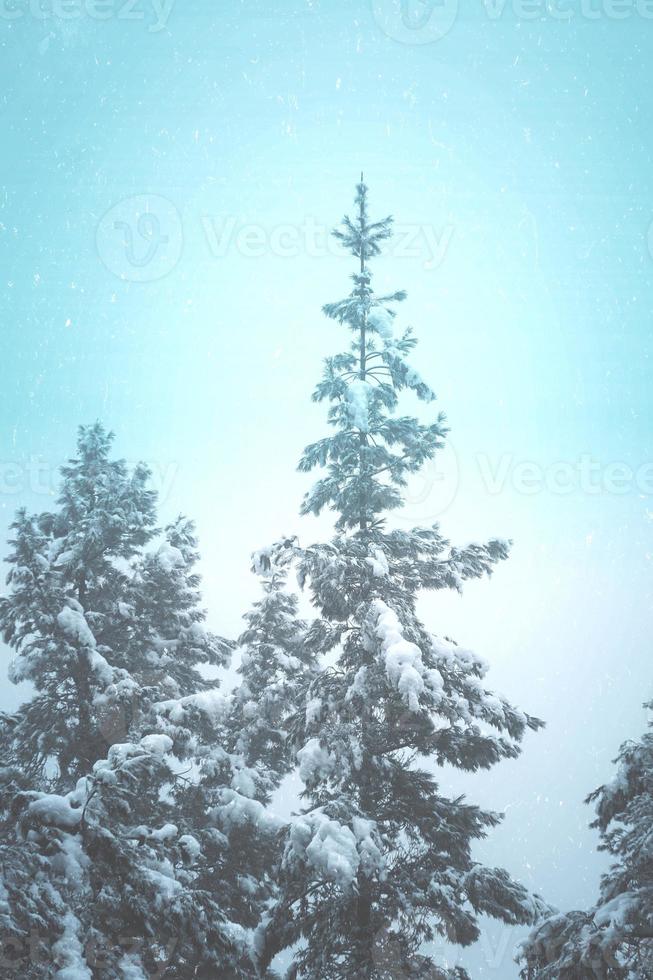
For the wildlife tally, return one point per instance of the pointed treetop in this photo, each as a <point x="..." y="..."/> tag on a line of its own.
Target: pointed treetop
<point x="359" y="234"/>
<point x="368" y="460"/>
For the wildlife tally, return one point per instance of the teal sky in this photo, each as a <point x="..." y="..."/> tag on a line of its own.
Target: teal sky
<point x="515" y="154"/>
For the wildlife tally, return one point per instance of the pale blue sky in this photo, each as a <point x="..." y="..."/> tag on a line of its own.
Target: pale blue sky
<point x="515" y="154"/>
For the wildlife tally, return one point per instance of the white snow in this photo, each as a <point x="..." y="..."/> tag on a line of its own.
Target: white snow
<point x="451" y="654"/>
<point x="64" y="558"/>
<point x="235" y="810"/>
<point x="359" y="684"/>
<point x="169" y="557"/>
<point x="327" y="845"/>
<point x="195" y="632"/>
<point x="243" y="781"/>
<point x="248" y="884"/>
<point x="378" y="563"/>
<point x="74" y="625"/>
<point x="333" y="849"/>
<point x="212" y="703"/>
<point x="191" y="846"/>
<point x="403" y="660"/>
<point x="313" y="710"/>
<point x="358" y="396"/>
<point x="250" y="710"/>
<point x="262" y="561"/>
<point x="131" y="969"/>
<point x="414" y="378"/>
<point x="614" y="914"/>
<point x="122" y="753"/>
<point x="167" y="886"/>
<point x="69" y="952"/>
<point x="380" y="320"/>
<point x="356" y="752"/>
<point x="71" y="862"/>
<point x="619" y="782"/>
<point x="434" y="680"/>
<point x="315" y="762"/>
<point x="99" y="665"/>
<point x="4" y="899"/>
<point x="370" y="854"/>
<point x="156" y="744"/>
<point x="56" y="810"/>
<point x="168" y="832"/>
<point x="103" y="774"/>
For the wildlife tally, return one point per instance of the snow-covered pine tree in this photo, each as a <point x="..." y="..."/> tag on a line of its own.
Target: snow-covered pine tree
<point x="155" y="857"/>
<point x="276" y="667"/>
<point x="379" y="862"/>
<point x="123" y="882"/>
<point x="154" y="864"/>
<point x="65" y="568"/>
<point x="30" y="909"/>
<point x="168" y="640"/>
<point x="614" y="939"/>
<point x="94" y="621"/>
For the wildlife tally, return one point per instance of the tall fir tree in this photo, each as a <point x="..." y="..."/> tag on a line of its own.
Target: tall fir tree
<point x="613" y="940"/>
<point x="379" y="862"/>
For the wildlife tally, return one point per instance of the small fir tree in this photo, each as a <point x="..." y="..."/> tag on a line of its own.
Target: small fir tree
<point x="100" y="628"/>
<point x="614" y="939"/>
<point x="276" y="667"/>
